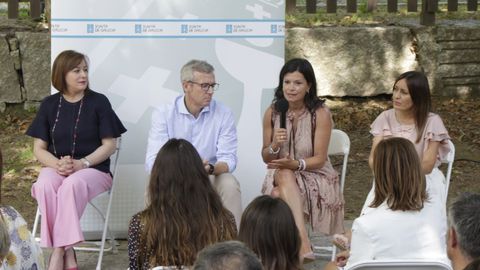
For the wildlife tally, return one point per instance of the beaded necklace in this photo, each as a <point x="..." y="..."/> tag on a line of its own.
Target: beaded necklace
<point x="74" y="129"/>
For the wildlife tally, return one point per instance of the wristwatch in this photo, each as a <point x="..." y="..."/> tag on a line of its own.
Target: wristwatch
<point x="86" y="163"/>
<point x="211" y="168"/>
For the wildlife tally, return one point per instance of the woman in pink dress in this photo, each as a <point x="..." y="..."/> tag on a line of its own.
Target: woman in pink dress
<point x="411" y="118"/>
<point x="296" y="156"/>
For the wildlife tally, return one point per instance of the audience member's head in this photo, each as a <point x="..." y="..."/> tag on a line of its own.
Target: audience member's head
<point x="229" y="255"/>
<point x="463" y="245"/>
<point x="399" y="180"/>
<point x="268" y="228"/>
<point x="4" y="240"/>
<point x="184" y="212"/>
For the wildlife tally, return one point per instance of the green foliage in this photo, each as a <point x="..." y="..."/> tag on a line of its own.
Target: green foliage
<point x="362" y="6"/>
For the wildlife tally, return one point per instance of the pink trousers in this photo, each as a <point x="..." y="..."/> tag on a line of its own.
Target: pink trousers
<point x="62" y="201"/>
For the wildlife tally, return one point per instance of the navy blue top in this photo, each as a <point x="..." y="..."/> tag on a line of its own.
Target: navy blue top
<point x="97" y="121"/>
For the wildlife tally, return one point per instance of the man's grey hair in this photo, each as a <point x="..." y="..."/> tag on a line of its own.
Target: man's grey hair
<point x="186" y="74"/>
<point x="229" y="255"/>
<point x="464" y="216"/>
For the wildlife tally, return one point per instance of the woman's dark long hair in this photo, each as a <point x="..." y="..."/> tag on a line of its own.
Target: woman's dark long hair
<point x="184" y="213"/>
<point x="268" y="228"/>
<point x="311" y="100"/>
<point x="419" y="90"/>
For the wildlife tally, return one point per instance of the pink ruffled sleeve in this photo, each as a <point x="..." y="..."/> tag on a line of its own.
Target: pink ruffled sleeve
<point x="381" y="125"/>
<point x="435" y="131"/>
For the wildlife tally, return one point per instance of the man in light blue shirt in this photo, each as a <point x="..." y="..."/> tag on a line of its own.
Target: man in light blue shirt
<point x="210" y="126"/>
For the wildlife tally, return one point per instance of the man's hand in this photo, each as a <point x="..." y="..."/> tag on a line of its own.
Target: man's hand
<point x="206" y="166"/>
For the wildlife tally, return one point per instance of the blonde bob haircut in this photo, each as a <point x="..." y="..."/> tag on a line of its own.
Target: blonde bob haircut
<point x="65" y="62"/>
<point x="399" y="180"/>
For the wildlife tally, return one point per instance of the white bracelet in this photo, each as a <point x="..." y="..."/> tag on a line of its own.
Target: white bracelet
<point x="273" y="152"/>
<point x="302" y="165"/>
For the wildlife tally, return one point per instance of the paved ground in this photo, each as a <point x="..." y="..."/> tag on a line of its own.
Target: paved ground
<point x="88" y="260"/>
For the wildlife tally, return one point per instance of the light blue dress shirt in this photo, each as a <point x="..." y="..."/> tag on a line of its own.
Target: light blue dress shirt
<point x="212" y="133"/>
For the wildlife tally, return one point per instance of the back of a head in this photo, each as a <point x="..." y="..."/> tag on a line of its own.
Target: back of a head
<point x="399" y="180"/>
<point x="178" y="170"/>
<point x="229" y="255"/>
<point x="464" y="216"/>
<point x="268" y="228"/>
<point x="184" y="213"/>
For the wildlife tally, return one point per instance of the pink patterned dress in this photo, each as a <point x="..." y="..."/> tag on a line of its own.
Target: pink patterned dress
<point x="320" y="189"/>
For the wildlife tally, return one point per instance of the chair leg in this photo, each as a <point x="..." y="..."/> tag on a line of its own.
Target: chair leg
<point x="35" y="223"/>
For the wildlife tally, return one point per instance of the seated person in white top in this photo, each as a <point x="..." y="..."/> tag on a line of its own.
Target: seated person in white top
<point x="402" y="222"/>
<point x="463" y="244"/>
<point x="207" y="124"/>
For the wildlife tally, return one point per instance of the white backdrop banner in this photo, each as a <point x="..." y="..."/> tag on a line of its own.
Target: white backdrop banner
<point x="136" y="50"/>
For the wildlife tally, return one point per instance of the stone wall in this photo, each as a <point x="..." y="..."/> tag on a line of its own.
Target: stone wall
<point x="364" y="61"/>
<point x="25" y="68"/>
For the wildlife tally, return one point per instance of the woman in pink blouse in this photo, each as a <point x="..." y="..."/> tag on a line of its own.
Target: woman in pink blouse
<point x="411" y="118"/>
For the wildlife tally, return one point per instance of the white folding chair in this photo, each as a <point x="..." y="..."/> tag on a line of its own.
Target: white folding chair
<point x="89" y="245"/>
<point x="400" y="265"/>
<point x="449" y="161"/>
<point x="339" y="145"/>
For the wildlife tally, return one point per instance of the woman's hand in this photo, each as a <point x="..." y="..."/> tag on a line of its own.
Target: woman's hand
<point x="283" y="163"/>
<point x="279" y="137"/>
<point x="65" y="166"/>
<point x="342" y="258"/>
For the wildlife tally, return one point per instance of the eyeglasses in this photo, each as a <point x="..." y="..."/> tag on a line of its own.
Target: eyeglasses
<point x="206" y="86"/>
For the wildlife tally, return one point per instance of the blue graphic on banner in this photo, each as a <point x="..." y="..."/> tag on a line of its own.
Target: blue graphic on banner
<point x="273" y="28"/>
<point x="201" y="28"/>
<point x="184" y="28"/>
<point x="90" y="28"/>
<point x="138" y="28"/>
